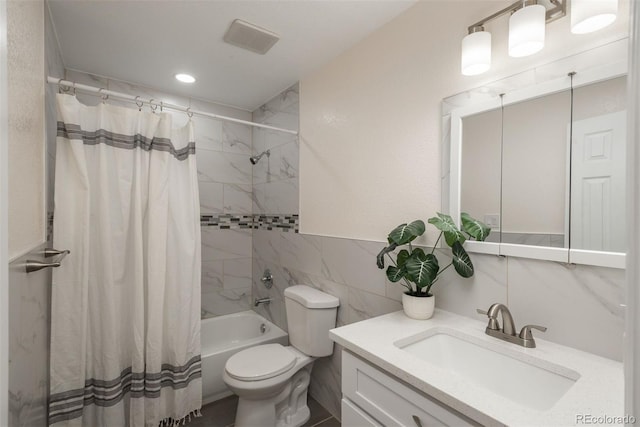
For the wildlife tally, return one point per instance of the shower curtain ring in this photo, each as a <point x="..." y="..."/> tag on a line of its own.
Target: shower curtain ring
<point x="139" y="103"/>
<point x="153" y="106"/>
<point x="62" y="88"/>
<point x="103" y="96"/>
<point x="189" y="113"/>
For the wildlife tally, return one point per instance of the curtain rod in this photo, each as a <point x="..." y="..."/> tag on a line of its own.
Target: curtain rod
<point x="152" y="102"/>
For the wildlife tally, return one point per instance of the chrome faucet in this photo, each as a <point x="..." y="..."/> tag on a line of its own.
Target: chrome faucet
<point x="508" y="330"/>
<point x="259" y="301"/>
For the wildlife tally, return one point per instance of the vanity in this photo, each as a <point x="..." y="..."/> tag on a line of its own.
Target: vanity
<point x="447" y="371"/>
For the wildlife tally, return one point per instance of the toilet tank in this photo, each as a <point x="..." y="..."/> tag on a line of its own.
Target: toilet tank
<point x="310" y="315"/>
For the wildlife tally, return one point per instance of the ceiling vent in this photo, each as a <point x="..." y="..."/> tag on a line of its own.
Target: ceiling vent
<point x="250" y="37"/>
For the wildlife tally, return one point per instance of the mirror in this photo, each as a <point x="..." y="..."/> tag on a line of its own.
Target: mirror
<point x="534" y="171"/>
<point x="480" y="172"/>
<point x="598" y="166"/>
<point x="544" y="166"/>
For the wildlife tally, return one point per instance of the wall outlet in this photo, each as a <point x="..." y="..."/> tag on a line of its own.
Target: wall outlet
<point x="492" y="220"/>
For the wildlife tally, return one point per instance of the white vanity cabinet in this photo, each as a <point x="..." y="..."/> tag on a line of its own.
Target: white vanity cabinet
<point x="371" y="397"/>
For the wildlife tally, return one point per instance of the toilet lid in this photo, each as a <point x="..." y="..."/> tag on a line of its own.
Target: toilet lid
<point x="260" y="362"/>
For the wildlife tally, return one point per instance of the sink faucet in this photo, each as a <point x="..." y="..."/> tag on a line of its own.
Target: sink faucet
<point x="259" y="301"/>
<point x="508" y="330"/>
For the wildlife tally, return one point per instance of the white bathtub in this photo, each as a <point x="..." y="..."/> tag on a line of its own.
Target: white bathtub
<point x="224" y="336"/>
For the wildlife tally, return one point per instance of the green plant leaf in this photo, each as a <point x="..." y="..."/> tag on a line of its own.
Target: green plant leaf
<point x="476" y="229"/>
<point x="403" y="255"/>
<point x="395" y="274"/>
<point x="422" y="268"/>
<point x="444" y="223"/>
<point x="405" y="233"/>
<point x="461" y="261"/>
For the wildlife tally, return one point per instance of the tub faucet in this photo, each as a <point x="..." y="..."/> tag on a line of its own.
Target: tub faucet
<point x="508" y="330"/>
<point x="259" y="301"/>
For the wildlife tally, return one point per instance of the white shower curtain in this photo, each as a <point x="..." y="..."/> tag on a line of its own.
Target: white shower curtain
<point x="125" y="334"/>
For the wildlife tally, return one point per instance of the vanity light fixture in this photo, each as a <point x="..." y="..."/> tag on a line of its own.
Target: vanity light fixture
<point x="526" y="32"/>
<point x="588" y="16"/>
<point x="527" y="29"/>
<point x="185" y="78"/>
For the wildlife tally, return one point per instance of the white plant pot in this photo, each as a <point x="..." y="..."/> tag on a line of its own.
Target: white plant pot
<point x="420" y="308"/>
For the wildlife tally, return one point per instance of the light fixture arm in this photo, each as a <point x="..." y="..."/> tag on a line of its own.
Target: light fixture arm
<point x="557" y="10"/>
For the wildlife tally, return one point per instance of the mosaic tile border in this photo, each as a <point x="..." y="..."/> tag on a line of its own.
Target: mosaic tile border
<point x="282" y="222"/>
<point x="227" y="221"/>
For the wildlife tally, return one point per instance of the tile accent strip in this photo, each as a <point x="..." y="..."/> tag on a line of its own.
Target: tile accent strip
<point x="282" y="222"/>
<point x="227" y="221"/>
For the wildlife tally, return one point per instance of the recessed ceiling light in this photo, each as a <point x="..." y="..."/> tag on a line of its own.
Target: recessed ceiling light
<point x="185" y="78"/>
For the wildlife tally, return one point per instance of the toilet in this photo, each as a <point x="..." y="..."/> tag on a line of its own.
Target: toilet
<point x="271" y="380"/>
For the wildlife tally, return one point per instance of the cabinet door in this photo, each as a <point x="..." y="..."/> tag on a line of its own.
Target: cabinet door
<point x="389" y="401"/>
<point x="352" y="416"/>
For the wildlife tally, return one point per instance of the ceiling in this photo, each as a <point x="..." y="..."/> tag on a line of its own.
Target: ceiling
<point x="148" y="42"/>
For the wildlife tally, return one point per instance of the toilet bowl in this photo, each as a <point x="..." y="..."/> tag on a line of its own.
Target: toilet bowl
<point x="272" y="380"/>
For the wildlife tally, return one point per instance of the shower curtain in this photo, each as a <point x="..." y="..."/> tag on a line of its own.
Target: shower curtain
<point x="125" y="333"/>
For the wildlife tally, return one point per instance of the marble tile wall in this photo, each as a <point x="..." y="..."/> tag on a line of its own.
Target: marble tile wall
<point x="579" y="304"/>
<point x="29" y="302"/>
<point x="225" y="183"/>
<point x="55" y="68"/>
<point x="275" y="178"/>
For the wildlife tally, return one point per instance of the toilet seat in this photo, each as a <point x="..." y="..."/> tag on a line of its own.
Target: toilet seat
<point x="260" y="363"/>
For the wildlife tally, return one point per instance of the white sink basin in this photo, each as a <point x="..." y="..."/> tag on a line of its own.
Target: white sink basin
<point x="535" y="384"/>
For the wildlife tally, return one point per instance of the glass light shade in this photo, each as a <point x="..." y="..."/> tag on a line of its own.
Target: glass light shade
<point x="476" y="53"/>
<point x="592" y="15"/>
<point x="526" y="30"/>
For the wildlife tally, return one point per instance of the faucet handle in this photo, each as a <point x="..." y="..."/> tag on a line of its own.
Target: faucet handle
<point x="525" y="333"/>
<point x="493" y="322"/>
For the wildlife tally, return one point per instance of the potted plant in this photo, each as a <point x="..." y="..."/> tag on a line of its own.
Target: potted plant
<point x="418" y="270"/>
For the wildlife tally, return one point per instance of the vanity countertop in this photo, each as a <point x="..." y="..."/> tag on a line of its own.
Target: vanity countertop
<point x="599" y="391"/>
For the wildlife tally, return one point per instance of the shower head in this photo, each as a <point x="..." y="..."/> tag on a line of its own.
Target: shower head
<point x="254" y="159"/>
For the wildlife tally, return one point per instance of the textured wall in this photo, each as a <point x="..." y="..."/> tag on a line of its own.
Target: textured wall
<point x="370" y="119"/>
<point x="25" y="39"/>
<point x="28" y="294"/>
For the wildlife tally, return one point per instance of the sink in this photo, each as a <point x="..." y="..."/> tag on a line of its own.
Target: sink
<point x="521" y="378"/>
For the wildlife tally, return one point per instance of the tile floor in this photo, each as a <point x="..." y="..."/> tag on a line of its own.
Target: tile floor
<point x="222" y="414"/>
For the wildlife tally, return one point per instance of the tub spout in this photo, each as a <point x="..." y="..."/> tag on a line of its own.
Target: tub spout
<point x="259" y="301"/>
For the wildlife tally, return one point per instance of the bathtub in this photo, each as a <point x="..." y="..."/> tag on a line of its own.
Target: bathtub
<point x="224" y="336"/>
